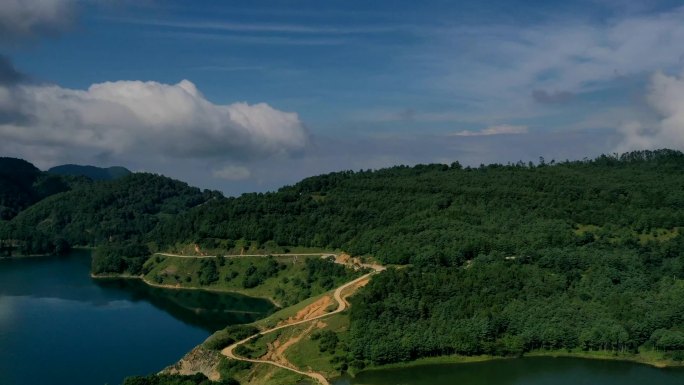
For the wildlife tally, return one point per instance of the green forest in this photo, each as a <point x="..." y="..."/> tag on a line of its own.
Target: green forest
<point x="496" y="259"/>
<point x="443" y="215"/>
<point x="23" y="184"/>
<point x="114" y="214"/>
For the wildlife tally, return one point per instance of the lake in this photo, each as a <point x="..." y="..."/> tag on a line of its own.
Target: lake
<point x="523" y="371"/>
<point x="58" y="326"/>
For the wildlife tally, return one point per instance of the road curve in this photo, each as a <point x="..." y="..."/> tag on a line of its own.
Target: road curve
<point x="341" y="306"/>
<point x="337" y="294"/>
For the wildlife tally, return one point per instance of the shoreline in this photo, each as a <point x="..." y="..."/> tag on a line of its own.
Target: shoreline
<point x="606" y="355"/>
<point x="44" y="255"/>
<point x="174" y="287"/>
<point x="29" y="256"/>
<point x="591" y="355"/>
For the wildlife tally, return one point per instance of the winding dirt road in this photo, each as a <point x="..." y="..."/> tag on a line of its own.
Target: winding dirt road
<point x="341" y="306"/>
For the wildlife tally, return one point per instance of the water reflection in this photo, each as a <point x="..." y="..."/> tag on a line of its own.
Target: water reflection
<point x="208" y="310"/>
<point x="67" y="278"/>
<point x="82" y="331"/>
<point x="525" y="371"/>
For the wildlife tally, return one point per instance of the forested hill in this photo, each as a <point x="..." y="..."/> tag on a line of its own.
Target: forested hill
<point x="92" y="172"/>
<point x="575" y="256"/>
<point x="120" y="211"/>
<point x="446" y="215"/>
<point x="23" y="184"/>
<point x="424" y="215"/>
<point x="504" y="259"/>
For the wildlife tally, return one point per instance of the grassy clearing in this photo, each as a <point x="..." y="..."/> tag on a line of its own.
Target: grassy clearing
<point x="263" y="374"/>
<point x="615" y="234"/>
<point x="215" y="246"/>
<point x="257" y="346"/>
<point x="228" y="336"/>
<point x="188" y="272"/>
<point x="306" y="353"/>
<point x="660" y="235"/>
<point x="285" y="280"/>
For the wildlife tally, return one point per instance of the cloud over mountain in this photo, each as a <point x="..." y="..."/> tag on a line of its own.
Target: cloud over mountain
<point x="144" y="118"/>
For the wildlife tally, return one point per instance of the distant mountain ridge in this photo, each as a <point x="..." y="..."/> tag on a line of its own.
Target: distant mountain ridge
<point x="23" y="184"/>
<point x="92" y="172"/>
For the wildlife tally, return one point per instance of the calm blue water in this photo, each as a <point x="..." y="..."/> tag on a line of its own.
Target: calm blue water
<point x="60" y="327"/>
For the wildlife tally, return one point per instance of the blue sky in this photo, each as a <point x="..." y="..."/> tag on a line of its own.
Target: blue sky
<point x="324" y="86"/>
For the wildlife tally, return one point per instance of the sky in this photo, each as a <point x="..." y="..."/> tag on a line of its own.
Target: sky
<point x="243" y="96"/>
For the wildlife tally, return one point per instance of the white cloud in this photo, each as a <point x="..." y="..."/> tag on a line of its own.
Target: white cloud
<point x="134" y="118"/>
<point x="505" y="64"/>
<point x="26" y="18"/>
<point x="666" y="97"/>
<point x="232" y="173"/>
<point x="262" y="27"/>
<point x="502" y="129"/>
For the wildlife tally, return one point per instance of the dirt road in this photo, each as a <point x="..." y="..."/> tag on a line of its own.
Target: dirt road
<point x="337" y="295"/>
<point x="341" y="306"/>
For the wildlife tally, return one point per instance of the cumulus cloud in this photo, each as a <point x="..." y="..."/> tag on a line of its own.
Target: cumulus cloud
<point x="28" y="18"/>
<point x="9" y="77"/>
<point x="133" y="117"/>
<point x="231" y="172"/>
<point x="502" y="129"/>
<point x="666" y="97"/>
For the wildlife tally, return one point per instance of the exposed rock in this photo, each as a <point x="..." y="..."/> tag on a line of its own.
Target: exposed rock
<point x="198" y="360"/>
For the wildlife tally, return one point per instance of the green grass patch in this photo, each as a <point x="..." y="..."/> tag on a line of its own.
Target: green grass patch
<point x="264" y="374"/>
<point x="228" y="336"/>
<point x="285" y="280"/>
<point x="258" y="346"/>
<point x="233" y="368"/>
<point x="616" y="234"/>
<point x="222" y="247"/>
<point x="307" y="353"/>
<point x="254" y="348"/>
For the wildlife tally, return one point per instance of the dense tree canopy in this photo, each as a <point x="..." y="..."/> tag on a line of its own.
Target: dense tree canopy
<point x="599" y="296"/>
<point x="101" y="213"/>
<point x="446" y="215"/>
<point x="22" y="184"/>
